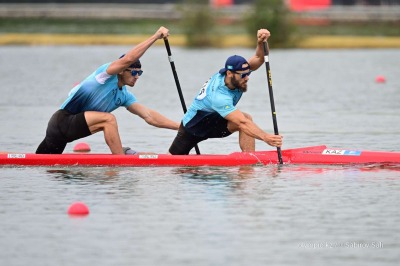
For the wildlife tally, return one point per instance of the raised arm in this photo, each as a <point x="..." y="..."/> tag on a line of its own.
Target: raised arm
<point x="152" y="117"/>
<point x="135" y="53"/>
<point x="258" y="59"/>
<point x="251" y="129"/>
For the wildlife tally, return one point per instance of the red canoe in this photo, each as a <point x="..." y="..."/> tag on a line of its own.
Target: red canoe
<point x="309" y="155"/>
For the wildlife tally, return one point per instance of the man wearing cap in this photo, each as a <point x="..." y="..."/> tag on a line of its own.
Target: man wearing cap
<point x="90" y="103"/>
<point x="213" y="113"/>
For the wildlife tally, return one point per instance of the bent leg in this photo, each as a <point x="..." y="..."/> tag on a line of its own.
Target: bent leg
<point x="246" y="142"/>
<point x="50" y="146"/>
<point x="54" y="142"/>
<point x="99" y="121"/>
<point x="183" y="142"/>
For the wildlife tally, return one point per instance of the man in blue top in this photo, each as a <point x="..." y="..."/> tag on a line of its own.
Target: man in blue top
<point x="90" y="103"/>
<point x="213" y="113"/>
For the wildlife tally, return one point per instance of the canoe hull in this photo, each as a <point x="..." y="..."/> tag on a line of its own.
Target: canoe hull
<point x="308" y="155"/>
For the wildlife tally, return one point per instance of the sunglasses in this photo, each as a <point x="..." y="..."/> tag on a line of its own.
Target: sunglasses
<point x="243" y="75"/>
<point x="135" y="72"/>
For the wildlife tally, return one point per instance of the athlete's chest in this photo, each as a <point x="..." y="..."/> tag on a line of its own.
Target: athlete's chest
<point x="116" y="96"/>
<point x="236" y="95"/>
<point x="225" y="93"/>
<point x="221" y="90"/>
<point x="215" y="89"/>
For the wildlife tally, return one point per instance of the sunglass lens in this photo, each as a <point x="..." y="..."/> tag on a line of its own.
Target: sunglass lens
<point x="134" y="72"/>
<point x="246" y="74"/>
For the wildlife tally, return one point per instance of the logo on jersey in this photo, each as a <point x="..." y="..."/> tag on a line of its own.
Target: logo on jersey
<point x="118" y="102"/>
<point x="227" y="107"/>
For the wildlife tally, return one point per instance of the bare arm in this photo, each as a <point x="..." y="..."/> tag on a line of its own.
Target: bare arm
<point x="258" y="59"/>
<point x="247" y="126"/>
<point x="152" y="117"/>
<point x="135" y="53"/>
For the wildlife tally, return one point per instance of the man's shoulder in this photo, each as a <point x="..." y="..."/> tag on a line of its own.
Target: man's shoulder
<point x="218" y="84"/>
<point x="220" y="89"/>
<point x="129" y="97"/>
<point x="102" y="76"/>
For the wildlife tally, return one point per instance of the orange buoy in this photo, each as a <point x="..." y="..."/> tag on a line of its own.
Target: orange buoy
<point x="380" y="79"/>
<point x="78" y="208"/>
<point x="82" y="147"/>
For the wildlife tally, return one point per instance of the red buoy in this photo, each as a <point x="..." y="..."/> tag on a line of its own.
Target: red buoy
<point x="78" y="208"/>
<point x="380" y="79"/>
<point x="82" y="147"/>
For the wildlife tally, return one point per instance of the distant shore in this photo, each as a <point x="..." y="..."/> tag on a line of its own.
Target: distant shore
<point x="227" y="33"/>
<point x="229" y="40"/>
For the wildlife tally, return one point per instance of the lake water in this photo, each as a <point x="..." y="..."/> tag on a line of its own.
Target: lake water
<point x="253" y="215"/>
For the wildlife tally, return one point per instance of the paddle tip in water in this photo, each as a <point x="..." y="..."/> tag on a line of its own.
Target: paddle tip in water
<point x="82" y="147"/>
<point x="78" y="208"/>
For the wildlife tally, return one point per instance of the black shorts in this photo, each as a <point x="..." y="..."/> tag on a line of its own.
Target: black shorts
<point x="184" y="141"/>
<point x="63" y="127"/>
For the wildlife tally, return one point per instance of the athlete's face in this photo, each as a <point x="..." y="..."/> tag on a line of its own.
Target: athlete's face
<point x="237" y="80"/>
<point x="130" y="79"/>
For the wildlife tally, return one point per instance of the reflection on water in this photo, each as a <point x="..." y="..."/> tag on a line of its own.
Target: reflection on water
<point x="218" y="173"/>
<point x="226" y="173"/>
<point x="99" y="175"/>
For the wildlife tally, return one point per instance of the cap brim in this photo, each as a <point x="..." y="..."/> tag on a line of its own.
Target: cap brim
<point x="222" y="71"/>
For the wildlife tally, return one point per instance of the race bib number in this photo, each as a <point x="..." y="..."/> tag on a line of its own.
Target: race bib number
<point x="16" y="156"/>
<point x="148" y="156"/>
<point x="203" y="91"/>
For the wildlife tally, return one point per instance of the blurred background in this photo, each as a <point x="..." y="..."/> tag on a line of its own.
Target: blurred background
<point x="204" y="23"/>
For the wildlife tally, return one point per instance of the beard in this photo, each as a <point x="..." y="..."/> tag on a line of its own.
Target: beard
<point x="236" y="84"/>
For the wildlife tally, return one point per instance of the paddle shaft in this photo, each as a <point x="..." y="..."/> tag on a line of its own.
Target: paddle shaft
<point x="178" y="86"/>
<point x="271" y="98"/>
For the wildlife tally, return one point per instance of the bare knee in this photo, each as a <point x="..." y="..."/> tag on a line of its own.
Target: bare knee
<point x="110" y="118"/>
<point x="248" y="116"/>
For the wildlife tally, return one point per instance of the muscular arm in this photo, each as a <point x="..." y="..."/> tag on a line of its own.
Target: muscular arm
<point x="135" y="53"/>
<point x="258" y="59"/>
<point x="152" y="117"/>
<point x="247" y="126"/>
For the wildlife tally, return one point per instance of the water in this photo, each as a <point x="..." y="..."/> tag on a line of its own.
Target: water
<point x="305" y="215"/>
